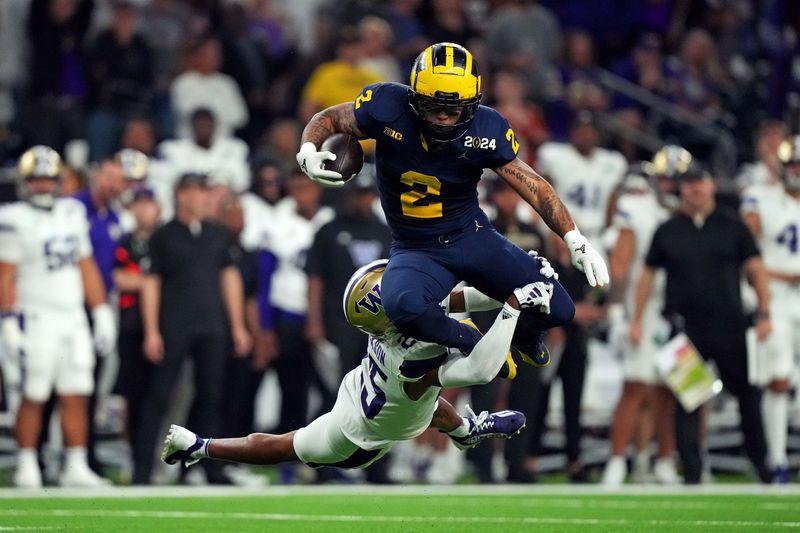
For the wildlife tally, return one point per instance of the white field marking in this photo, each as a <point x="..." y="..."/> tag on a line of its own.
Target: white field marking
<point x="287" y="517"/>
<point x="543" y="491"/>
<point x="23" y="528"/>
<point x="612" y="503"/>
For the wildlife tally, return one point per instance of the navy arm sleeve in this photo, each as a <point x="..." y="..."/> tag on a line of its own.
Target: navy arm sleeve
<point x="497" y="128"/>
<point x="379" y="104"/>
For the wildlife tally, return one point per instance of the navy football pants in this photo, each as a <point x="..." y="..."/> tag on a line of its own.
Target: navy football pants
<point x="420" y="276"/>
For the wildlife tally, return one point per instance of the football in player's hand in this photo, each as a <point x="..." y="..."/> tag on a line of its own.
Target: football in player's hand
<point x="349" y="155"/>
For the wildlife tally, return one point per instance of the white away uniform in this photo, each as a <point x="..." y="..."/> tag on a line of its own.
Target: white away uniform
<point x="641" y="213"/>
<point x="584" y="184"/>
<point x="372" y="410"/>
<point x="46" y="246"/>
<point x="780" y="248"/>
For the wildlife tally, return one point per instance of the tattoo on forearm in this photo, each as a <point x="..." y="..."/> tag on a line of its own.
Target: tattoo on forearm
<point x="539" y="194"/>
<point x="518" y="174"/>
<point x="553" y="212"/>
<point x="335" y="119"/>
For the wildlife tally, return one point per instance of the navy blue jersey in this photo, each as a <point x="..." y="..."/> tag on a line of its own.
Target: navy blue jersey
<point x="427" y="193"/>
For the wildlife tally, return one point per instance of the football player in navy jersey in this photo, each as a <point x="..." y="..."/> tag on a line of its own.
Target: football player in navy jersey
<point x="433" y="140"/>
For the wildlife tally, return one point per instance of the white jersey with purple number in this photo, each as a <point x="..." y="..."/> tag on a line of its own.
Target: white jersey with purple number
<point x="584" y="184"/>
<point x="45" y="246"/>
<point x="288" y="236"/>
<point x="780" y="226"/>
<point x="381" y="412"/>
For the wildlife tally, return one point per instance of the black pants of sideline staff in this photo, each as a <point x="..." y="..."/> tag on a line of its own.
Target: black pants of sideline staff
<point x="728" y="350"/>
<point x="532" y="396"/>
<point x="208" y="352"/>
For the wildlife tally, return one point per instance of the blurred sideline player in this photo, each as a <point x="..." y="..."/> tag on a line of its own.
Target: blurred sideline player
<point x="433" y="142"/>
<point x="772" y="212"/>
<point x="393" y="395"/>
<point x="46" y="270"/>
<point x="135" y="166"/>
<point x="649" y="197"/>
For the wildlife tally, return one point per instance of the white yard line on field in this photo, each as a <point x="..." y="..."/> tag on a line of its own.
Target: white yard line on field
<point x="544" y="490"/>
<point x="287" y="517"/>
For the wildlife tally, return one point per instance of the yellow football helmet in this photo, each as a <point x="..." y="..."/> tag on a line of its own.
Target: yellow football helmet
<point x="38" y="162"/>
<point x="362" y="303"/>
<point x="789" y="158"/>
<point x="445" y="78"/>
<point x="135" y="164"/>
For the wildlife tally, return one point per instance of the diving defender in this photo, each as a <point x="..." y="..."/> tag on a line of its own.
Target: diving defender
<point x="433" y="141"/>
<point x="393" y="394"/>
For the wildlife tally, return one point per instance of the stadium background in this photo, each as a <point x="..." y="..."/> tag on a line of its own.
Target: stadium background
<point x="722" y="69"/>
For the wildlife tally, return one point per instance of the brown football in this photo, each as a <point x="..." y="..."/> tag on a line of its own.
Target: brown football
<point x="349" y="155"/>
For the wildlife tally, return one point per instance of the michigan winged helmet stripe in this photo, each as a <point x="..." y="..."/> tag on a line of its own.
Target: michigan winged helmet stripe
<point x="444" y="78"/>
<point x="447" y="69"/>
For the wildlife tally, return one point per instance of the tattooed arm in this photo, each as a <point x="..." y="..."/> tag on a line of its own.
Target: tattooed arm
<point x="535" y="190"/>
<point x="340" y="118"/>
<point x="540" y="195"/>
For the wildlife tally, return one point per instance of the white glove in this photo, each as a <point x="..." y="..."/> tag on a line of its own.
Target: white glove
<point x="586" y="259"/>
<point x="12" y="337"/>
<point x="310" y="161"/>
<point x="617" y="326"/>
<point x="536" y="294"/>
<point x="546" y="269"/>
<point x="104" y="329"/>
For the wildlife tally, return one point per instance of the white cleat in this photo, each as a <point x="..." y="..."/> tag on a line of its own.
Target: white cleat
<point x="81" y="476"/>
<point x="615" y="471"/>
<point x="181" y="444"/>
<point x="28" y="476"/>
<point x="665" y="472"/>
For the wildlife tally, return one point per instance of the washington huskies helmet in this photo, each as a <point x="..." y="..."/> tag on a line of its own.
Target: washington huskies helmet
<point x="666" y="168"/>
<point x="789" y="157"/>
<point x="670" y="162"/>
<point x="445" y="78"/>
<point x="39" y="162"/>
<point x="362" y="303"/>
<point x="134" y="163"/>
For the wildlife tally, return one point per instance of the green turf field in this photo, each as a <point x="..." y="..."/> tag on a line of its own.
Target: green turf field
<point x="427" y="509"/>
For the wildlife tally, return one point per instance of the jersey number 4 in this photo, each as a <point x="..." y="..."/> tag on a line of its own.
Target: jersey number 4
<point x="788" y="237"/>
<point x="420" y="201"/>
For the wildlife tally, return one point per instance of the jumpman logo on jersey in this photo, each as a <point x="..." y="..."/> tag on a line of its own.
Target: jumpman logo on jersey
<point x="463" y="155"/>
<point x="477" y="226"/>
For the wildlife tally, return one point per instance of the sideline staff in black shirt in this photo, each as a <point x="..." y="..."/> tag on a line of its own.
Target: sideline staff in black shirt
<point x="191" y="286"/>
<point x="703" y="249"/>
